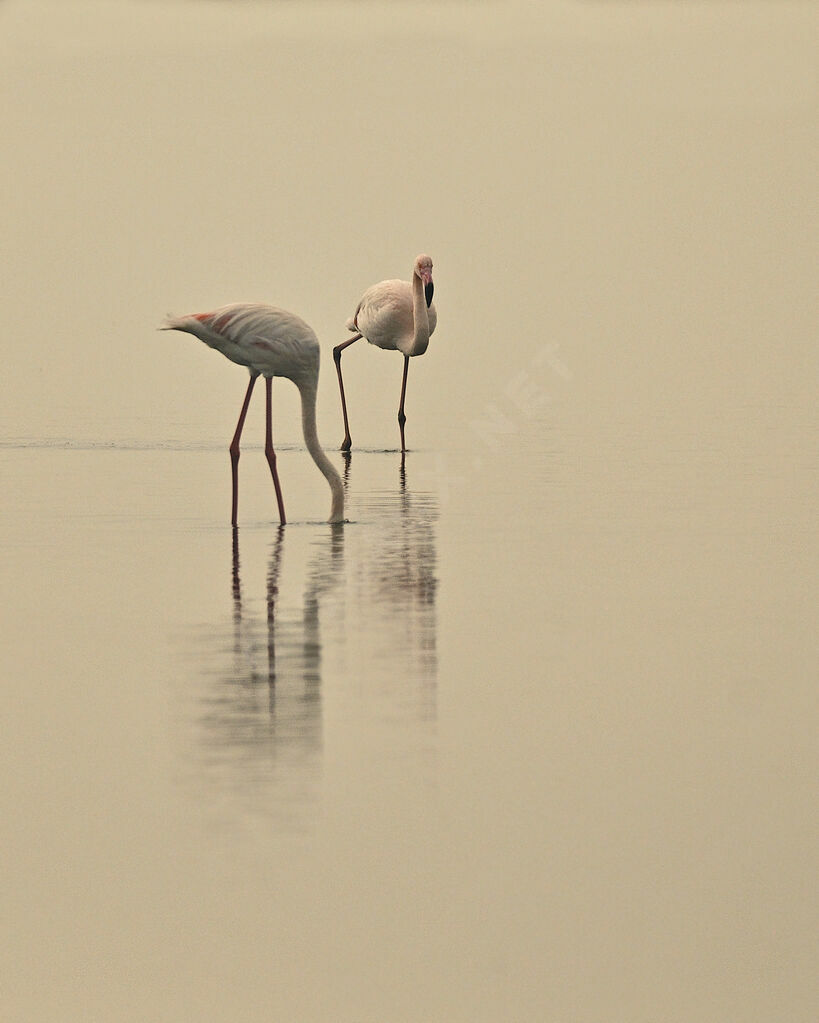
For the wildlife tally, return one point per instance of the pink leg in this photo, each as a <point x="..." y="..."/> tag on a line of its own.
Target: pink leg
<point x="401" y="417"/>
<point x="234" y="450"/>
<point x="268" y="447"/>
<point x="347" y="443"/>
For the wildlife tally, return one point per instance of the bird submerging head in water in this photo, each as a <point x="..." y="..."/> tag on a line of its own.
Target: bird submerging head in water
<point x="397" y="316"/>
<point x="270" y="342"/>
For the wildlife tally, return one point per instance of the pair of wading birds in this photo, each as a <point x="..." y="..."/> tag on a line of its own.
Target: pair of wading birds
<point x="270" y="342"/>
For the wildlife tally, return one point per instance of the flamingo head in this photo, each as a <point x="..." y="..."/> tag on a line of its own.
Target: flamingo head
<point x="423" y="270"/>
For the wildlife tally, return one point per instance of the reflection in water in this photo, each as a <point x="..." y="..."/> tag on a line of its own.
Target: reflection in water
<point x="292" y="672"/>
<point x="367" y="610"/>
<point x="393" y="564"/>
<point x="259" y="720"/>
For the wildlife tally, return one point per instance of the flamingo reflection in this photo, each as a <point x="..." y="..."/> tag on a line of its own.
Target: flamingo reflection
<point x="392" y="613"/>
<point x="260" y="719"/>
<point x="351" y="611"/>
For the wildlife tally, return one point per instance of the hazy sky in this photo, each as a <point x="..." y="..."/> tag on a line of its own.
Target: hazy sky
<point x="552" y="158"/>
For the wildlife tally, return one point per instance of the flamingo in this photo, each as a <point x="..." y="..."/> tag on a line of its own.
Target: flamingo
<point x="270" y="342"/>
<point x="396" y="316"/>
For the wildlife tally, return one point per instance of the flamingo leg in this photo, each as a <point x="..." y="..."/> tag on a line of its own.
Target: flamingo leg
<point x="346" y="444"/>
<point x="268" y="447"/>
<point x="401" y="417"/>
<point x="234" y="449"/>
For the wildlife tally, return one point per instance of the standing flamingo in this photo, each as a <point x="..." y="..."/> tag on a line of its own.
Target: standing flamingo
<point x="270" y="342"/>
<point x="396" y="316"/>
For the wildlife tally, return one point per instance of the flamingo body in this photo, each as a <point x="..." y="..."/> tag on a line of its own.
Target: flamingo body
<point x="268" y="342"/>
<point x="384" y="317"/>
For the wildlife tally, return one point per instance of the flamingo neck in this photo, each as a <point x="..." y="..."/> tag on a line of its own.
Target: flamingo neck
<point x="308" y="425"/>
<point x="420" y="317"/>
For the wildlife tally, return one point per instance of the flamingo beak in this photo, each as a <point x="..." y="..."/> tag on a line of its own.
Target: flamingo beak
<point x="429" y="287"/>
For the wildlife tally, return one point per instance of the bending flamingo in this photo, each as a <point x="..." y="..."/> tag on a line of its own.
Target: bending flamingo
<point x="396" y="316"/>
<point x="270" y="342"/>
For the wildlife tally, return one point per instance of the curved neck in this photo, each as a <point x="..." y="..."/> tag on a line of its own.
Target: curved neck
<point x="420" y="317"/>
<point x="308" y="425"/>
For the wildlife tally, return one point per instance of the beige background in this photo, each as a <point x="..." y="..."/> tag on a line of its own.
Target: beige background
<point x="532" y="737"/>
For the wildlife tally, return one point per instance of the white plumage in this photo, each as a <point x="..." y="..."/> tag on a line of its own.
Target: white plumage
<point x="384" y="317"/>
<point x="267" y="340"/>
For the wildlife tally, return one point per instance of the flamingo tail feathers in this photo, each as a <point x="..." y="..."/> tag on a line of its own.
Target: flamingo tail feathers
<point x="173" y="323"/>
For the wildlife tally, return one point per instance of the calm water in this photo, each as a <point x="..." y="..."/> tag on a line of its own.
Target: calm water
<point x="532" y="735"/>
